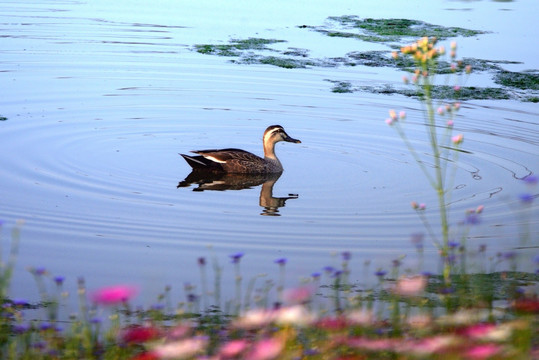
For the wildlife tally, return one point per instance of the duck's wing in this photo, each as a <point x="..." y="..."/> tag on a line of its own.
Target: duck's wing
<point x="201" y="163"/>
<point x="234" y="160"/>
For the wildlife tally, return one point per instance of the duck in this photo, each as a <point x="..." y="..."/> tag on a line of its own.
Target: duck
<point x="239" y="161"/>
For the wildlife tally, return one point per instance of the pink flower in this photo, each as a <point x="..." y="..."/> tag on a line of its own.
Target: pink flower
<point x="255" y="318"/>
<point x="371" y="344"/>
<point x="233" y="348"/>
<point x="483" y="351"/>
<point x="114" y="294"/>
<point x="393" y="114"/>
<point x="181" y="349"/>
<point x="478" y="330"/>
<point x="456" y="88"/>
<point x="457" y="139"/>
<point x="266" y="349"/>
<point x="429" y="345"/>
<point x="298" y="295"/>
<point x="410" y="286"/>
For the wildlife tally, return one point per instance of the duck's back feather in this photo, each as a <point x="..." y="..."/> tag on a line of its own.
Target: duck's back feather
<point x="229" y="160"/>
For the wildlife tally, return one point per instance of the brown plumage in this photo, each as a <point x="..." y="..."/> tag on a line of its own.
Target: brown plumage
<point x="241" y="161"/>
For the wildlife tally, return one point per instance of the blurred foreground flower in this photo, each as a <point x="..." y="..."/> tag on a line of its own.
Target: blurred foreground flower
<point x="410" y="285"/>
<point x="181" y="349"/>
<point x="266" y="349"/>
<point x="139" y="334"/>
<point x="233" y="348"/>
<point x="112" y="295"/>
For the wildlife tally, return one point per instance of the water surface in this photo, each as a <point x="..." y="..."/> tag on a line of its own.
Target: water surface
<point x="101" y="97"/>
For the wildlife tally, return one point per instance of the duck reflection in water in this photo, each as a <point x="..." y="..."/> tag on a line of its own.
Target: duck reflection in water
<point x="208" y="180"/>
<point x="236" y="169"/>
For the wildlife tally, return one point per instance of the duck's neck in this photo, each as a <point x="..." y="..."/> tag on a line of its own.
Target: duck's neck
<point x="269" y="150"/>
<point x="270" y="157"/>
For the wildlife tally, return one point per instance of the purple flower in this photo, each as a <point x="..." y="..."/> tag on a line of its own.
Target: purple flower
<point x="45" y="326"/>
<point x="59" y="280"/>
<point x="453" y="244"/>
<point x="509" y="255"/>
<point x="472" y="218"/>
<point x="447" y="290"/>
<point x="96" y="320"/>
<point x="39" y="271"/>
<point x="201" y="261"/>
<point x="380" y="273"/>
<point x="20" y="302"/>
<point x="329" y="269"/>
<point x="280" y="261"/>
<point x="417" y="240"/>
<point x="346" y="255"/>
<point x="192" y="298"/>
<point x="337" y="273"/>
<point x="236" y="257"/>
<point x="531" y="179"/>
<point x="526" y="198"/>
<point x="20" y="328"/>
<point x="316" y="275"/>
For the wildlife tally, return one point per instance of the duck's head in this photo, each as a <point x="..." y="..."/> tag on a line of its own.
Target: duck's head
<point x="276" y="133"/>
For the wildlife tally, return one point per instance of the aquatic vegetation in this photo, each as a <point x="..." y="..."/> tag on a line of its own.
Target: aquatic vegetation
<point x="386" y="30"/>
<point x="390" y="30"/>
<point x="393" y="31"/>
<point x="527" y="80"/>
<point x="236" y="46"/>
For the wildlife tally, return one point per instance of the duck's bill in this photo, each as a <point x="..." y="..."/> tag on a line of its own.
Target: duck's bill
<point x="292" y="140"/>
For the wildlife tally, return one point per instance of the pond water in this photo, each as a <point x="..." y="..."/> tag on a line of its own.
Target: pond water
<point x="100" y="97"/>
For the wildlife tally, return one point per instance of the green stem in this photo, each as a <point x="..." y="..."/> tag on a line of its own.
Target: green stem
<point x="439" y="182"/>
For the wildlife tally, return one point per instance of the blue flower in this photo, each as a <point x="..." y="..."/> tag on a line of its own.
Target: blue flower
<point x="316" y="275"/>
<point x="380" y="273"/>
<point x="346" y="255"/>
<point x="236" y="257"/>
<point x="280" y="261"/>
<point x="526" y="198"/>
<point x="59" y="280"/>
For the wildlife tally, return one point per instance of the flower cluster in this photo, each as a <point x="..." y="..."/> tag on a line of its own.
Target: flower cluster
<point x="424" y="50"/>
